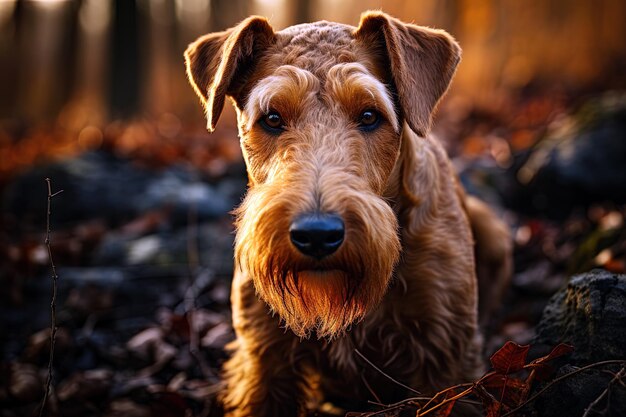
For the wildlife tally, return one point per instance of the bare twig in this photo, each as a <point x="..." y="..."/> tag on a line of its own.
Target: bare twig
<point x="384" y="374"/>
<point x="370" y="389"/>
<point x="506" y="378"/>
<point x="618" y="377"/>
<point x="561" y="378"/>
<point x="445" y="401"/>
<point x="53" y="303"/>
<point x="468" y="388"/>
<point x="391" y="407"/>
<point x="415" y="401"/>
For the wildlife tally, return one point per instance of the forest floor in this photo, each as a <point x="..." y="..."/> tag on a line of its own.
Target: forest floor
<point x="142" y="244"/>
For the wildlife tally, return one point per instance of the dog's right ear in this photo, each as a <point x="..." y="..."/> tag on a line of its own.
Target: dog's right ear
<point x="215" y="62"/>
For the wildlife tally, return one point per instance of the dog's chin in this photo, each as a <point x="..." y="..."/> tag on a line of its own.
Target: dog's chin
<point x="322" y="303"/>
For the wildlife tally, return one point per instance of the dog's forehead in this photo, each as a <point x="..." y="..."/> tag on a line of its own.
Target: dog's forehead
<point x="316" y="47"/>
<point x="318" y="33"/>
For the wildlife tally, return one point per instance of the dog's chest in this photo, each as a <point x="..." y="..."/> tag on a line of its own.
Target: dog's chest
<point x="385" y="341"/>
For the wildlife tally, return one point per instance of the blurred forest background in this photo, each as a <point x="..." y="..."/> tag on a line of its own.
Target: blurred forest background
<point x="93" y="95"/>
<point x="68" y="68"/>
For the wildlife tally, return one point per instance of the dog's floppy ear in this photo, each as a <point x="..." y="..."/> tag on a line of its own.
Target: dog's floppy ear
<point x="217" y="62"/>
<point x="422" y="62"/>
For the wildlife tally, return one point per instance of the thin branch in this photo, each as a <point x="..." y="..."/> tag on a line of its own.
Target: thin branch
<point x="618" y="377"/>
<point x="53" y="303"/>
<point x="506" y="379"/>
<point x="447" y="400"/>
<point x="469" y="387"/>
<point x="414" y="401"/>
<point x="386" y="375"/>
<point x="370" y="389"/>
<point x="393" y="407"/>
<point x="561" y="378"/>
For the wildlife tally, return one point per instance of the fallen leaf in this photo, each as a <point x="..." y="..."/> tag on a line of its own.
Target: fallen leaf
<point x="559" y="350"/>
<point x="543" y="370"/>
<point x="151" y="345"/>
<point x="509" y="358"/>
<point x="143" y="342"/>
<point x="126" y="408"/>
<point x="445" y="410"/>
<point x="218" y="336"/>
<point x="511" y="391"/>
<point x="25" y="384"/>
<point x="82" y="386"/>
<point x="494" y="409"/>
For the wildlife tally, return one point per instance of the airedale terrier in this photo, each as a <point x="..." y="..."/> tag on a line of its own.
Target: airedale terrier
<point x="354" y="233"/>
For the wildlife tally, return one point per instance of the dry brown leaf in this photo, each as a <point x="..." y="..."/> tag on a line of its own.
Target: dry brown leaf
<point x="25" y="384"/>
<point x="126" y="408"/>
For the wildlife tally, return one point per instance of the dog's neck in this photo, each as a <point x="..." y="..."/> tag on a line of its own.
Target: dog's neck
<point x="411" y="189"/>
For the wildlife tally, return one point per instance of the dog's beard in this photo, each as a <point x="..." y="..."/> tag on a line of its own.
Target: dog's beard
<point x="320" y="302"/>
<point x="321" y="298"/>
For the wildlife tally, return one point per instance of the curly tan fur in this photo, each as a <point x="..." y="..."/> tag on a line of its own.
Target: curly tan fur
<point x="401" y="288"/>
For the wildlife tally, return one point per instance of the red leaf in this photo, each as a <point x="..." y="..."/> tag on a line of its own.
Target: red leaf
<point x="485" y="396"/>
<point x="514" y="389"/>
<point x="559" y="350"/>
<point x="498" y="381"/>
<point x="509" y="358"/>
<point x="446" y="409"/>
<point x="494" y="409"/>
<point x="543" y="370"/>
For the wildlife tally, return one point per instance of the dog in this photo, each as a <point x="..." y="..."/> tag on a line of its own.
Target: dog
<point x="354" y="236"/>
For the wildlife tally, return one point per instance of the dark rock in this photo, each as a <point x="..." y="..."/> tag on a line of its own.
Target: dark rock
<point x="101" y="185"/>
<point x="133" y="291"/>
<point x="572" y="396"/>
<point x="483" y="178"/>
<point x="212" y="241"/>
<point x="181" y="196"/>
<point x="579" y="162"/>
<point x="590" y="314"/>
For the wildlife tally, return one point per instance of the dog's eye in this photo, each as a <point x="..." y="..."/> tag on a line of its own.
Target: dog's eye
<point x="369" y="120"/>
<point x="272" y="122"/>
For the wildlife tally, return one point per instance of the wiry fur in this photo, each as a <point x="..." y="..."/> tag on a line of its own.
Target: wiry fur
<point x="402" y="287"/>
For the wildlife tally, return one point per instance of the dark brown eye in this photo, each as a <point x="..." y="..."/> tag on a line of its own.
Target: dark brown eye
<point x="272" y="122"/>
<point x="369" y="120"/>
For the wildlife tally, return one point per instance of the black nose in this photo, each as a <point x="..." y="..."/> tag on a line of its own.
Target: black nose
<point x="317" y="235"/>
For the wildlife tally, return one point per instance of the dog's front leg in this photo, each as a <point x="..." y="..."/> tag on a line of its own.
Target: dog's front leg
<point x="267" y="374"/>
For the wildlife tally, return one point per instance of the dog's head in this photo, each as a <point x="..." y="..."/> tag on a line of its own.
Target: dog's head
<point x="321" y="108"/>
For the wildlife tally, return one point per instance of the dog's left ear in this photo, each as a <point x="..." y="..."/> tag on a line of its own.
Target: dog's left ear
<point x="218" y="62"/>
<point x="422" y="62"/>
